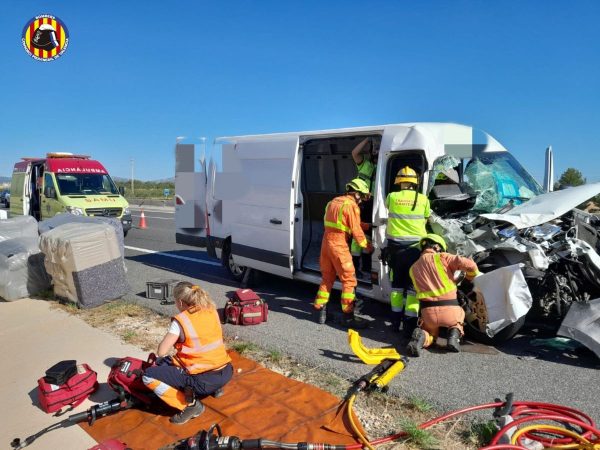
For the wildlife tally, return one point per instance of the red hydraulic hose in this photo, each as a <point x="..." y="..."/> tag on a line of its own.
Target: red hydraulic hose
<point x="531" y="411"/>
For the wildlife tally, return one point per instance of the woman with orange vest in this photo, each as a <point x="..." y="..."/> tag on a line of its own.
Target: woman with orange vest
<point x="342" y="222"/>
<point x="200" y="365"/>
<point x="433" y="278"/>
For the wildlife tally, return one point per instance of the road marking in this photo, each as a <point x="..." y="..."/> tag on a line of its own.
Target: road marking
<point x="185" y="258"/>
<point x="152" y="217"/>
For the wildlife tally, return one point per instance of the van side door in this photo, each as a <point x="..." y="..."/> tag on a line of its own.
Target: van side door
<point x="262" y="232"/>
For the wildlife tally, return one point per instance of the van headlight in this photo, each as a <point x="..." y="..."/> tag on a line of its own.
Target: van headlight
<point x="74" y="210"/>
<point x="126" y="212"/>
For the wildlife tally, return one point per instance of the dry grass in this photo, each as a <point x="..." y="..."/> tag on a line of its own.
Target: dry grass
<point x="380" y="414"/>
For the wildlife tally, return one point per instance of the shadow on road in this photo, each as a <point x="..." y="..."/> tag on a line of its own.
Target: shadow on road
<point x="185" y="267"/>
<point x="535" y="344"/>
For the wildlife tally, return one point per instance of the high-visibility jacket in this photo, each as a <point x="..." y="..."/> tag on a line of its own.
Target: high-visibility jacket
<point x="203" y="348"/>
<point x="432" y="275"/>
<point x="342" y="215"/>
<point x="405" y="223"/>
<point x="366" y="171"/>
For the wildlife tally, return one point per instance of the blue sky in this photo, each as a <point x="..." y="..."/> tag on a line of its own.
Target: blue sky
<point x="137" y="74"/>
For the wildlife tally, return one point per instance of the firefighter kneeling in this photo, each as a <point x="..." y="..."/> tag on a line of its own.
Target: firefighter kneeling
<point x="432" y="276"/>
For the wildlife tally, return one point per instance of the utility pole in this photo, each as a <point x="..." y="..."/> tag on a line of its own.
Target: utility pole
<point x="132" y="190"/>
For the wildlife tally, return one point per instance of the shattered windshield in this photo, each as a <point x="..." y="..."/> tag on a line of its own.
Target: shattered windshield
<point x="498" y="179"/>
<point x="85" y="184"/>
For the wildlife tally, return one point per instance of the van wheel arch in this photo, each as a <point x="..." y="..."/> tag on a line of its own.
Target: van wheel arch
<point x="235" y="271"/>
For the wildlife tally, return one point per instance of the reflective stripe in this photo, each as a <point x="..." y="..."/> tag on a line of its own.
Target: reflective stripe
<point x="321" y="301"/>
<point x="411" y="304"/>
<point x="403" y="219"/>
<point x="396" y="301"/>
<point x="355" y="249"/>
<point x="447" y="284"/>
<point x="348" y="295"/>
<point x="197" y="347"/>
<point x="406" y="216"/>
<point x="473" y="274"/>
<point x="339" y="225"/>
<point x="403" y="239"/>
<point x="323" y="294"/>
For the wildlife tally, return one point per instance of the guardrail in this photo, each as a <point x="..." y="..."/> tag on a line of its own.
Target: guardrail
<point x="151" y="201"/>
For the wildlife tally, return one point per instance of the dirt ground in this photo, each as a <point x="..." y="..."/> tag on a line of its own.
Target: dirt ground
<point x="379" y="413"/>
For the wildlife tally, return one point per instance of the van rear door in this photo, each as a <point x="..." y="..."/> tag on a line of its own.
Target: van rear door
<point x="190" y="197"/>
<point x="262" y="233"/>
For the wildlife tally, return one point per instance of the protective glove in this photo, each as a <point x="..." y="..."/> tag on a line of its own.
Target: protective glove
<point x="383" y="255"/>
<point x="369" y="248"/>
<point x="365" y="226"/>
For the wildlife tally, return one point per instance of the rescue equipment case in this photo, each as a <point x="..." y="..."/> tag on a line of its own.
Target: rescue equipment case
<point x="246" y="308"/>
<point x="161" y="289"/>
<point x="72" y="392"/>
<point x="125" y="378"/>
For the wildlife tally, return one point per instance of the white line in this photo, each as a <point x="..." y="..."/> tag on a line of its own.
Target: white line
<point x="185" y="258"/>
<point x="152" y="217"/>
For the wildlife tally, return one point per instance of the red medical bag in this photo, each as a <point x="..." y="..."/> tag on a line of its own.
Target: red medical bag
<point x="72" y="392"/>
<point x="246" y="308"/>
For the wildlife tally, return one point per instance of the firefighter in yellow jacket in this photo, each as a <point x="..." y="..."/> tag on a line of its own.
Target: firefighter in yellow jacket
<point x="433" y="279"/>
<point x="408" y="213"/>
<point x="200" y="365"/>
<point x="342" y="222"/>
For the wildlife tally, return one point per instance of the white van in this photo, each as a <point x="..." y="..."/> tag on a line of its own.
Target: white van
<point x="264" y="208"/>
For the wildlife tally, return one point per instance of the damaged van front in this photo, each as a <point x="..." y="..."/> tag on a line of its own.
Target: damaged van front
<point x="538" y="252"/>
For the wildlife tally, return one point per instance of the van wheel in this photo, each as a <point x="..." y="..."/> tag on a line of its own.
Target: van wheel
<point x="237" y="272"/>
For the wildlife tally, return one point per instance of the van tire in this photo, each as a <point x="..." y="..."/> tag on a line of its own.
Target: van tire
<point x="236" y="272"/>
<point x="504" y="335"/>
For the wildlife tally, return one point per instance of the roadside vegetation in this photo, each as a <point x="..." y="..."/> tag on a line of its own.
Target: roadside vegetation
<point x="379" y="413"/>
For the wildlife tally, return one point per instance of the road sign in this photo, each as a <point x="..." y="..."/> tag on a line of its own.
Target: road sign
<point x="166" y="192"/>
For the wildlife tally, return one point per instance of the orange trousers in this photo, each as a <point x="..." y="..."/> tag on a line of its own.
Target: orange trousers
<point x="336" y="260"/>
<point x="434" y="317"/>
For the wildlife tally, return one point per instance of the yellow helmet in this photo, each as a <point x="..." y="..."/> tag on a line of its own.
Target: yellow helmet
<point x="358" y="185"/>
<point x="406" y="175"/>
<point x="435" y="238"/>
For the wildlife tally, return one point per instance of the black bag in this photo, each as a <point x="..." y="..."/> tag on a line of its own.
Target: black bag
<point x="60" y="372"/>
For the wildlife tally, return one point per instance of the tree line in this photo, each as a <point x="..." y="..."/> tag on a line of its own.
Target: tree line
<point x="571" y="178"/>
<point x="147" y="189"/>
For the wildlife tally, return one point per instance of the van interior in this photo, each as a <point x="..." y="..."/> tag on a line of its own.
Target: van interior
<point x="326" y="168"/>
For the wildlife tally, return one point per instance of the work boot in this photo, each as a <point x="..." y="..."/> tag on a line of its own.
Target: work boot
<point x="396" y="320"/>
<point x="416" y="343"/>
<point x="453" y="340"/>
<point x="350" y="320"/>
<point x="321" y="315"/>
<point x="190" y="412"/>
<point x="409" y="325"/>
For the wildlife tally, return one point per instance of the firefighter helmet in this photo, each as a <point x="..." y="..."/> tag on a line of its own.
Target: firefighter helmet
<point x="435" y="238"/>
<point x="44" y="37"/>
<point x="358" y="185"/>
<point x="406" y="175"/>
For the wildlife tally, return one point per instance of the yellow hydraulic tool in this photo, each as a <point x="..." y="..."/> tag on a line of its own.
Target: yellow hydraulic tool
<point x="389" y="363"/>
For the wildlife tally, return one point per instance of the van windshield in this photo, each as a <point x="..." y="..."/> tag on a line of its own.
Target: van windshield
<point x="85" y="184"/>
<point x="498" y="178"/>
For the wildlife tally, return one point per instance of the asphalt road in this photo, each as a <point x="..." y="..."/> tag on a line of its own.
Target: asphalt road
<point x="449" y="381"/>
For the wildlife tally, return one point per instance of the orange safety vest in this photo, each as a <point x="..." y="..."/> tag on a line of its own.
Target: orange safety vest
<point x="335" y="221"/>
<point x="203" y="348"/>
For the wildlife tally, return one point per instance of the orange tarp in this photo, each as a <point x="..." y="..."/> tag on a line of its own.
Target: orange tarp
<point x="258" y="403"/>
